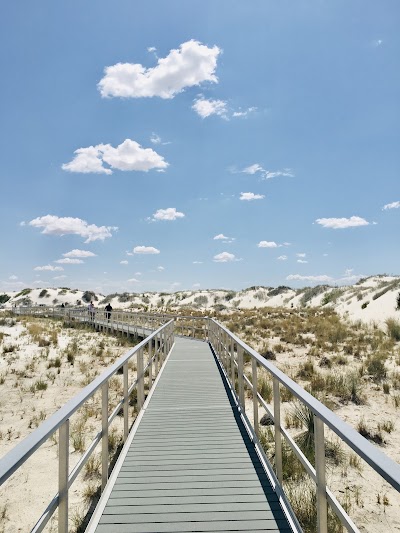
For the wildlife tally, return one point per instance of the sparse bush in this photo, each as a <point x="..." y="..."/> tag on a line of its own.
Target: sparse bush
<point x="364" y="305"/>
<point x="393" y="329"/>
<point x="365" y="431"/>
<point x="43" y="293"/>
<point x="89" y="296"/>
<point x="376" y="369"/>
<point x="4" y="298"/>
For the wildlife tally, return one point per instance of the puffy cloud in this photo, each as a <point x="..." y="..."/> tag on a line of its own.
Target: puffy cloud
<point x="127" y="156"/>
<point x="314" y="279"/>
<point x="301" y="255"/>
<point x="282" y="258"/>
<point x="189" y="65"/>
<point x="251" y="196"/>
<point x="124" y="262"/>
<point x="303" y="261"/>
<point x="341" y="223"/>
<point x="267" y="244"/>
<point x="69" y="261"/>
<point x="49" y="268"/>
<point x="160" y="268"/>
<point x="79" y="254"/>
<point x="253" y="169"/>
<point x="53" y="225"/>
<point x="393" y="205"/>
<point x="224" y="257"/>
<point x="145" y="250"/>
<point x="223" y="238"/>
<point x="167" y="214"/>
<point x="206" y="108"/>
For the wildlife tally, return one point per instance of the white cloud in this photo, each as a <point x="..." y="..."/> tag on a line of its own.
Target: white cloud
<point x="167" y="214"/>
<point x="301" y="255"/>
<point x="196" y="285"/>
<point x="79" y="254"/>
<point x="49" y="268"/>
<point x="133" y="280"/>
<point x="152" y="49"/>
<point x="206" y="108"/>
<point x="282" y="258"/>
<point x="245" y="113"/>
<point x="138" y="274"/>
<point x="377" y="42"/>
<point x="188" y="66"/>
<point x="197" y="262"/>
<point x="317" y="279"/>
<point x="303" y="261"/>
<point x="267" y="174"/>
<point x="224" y="257"/>
<point x="156" y="139"/>
<point x="13" y="277"/>
<point x="63" y="276"/>
<point x="223" y="238"/>
<point x="267" y="244"/>
<point x="127" y="156"/>
<point x="69" y="261"/>
<point x="124" y="262"/>
<point x="53" y="225"/>
<point x="393" y="205"/>
<point x="160" y="268"/>
<point x="341" y="223"/>
<point x="251" y="196"/>
<point x="145" y="250"/>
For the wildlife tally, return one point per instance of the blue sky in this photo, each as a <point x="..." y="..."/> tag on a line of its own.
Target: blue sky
<point x="176" y="145"/>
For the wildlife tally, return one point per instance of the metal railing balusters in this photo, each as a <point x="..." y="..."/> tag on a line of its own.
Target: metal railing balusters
<point x="140" y="378"/>
<point x="240" y="377"/>
<point x="278" y="435"/>
<point x="63" y="471"/>
<point x="126" y="401"/>
<point x="255" y="397"/>
<point x="322" y="508"/>
<point x="104" y="435"/>
<point x="149" y="350"/>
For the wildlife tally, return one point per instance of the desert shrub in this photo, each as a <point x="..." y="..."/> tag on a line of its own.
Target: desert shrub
<point x="230" y="295"/>
<point x="376" y="369"/>
<point x="4" y="298"/>
<point x="43" y="293"/>
<point x="332" y="296"/>
<point x="201" y="300"/>
<point x="370" y="434"/>
<point x="89" y="296"/>
<point x="267" y="353"/>
<point x="393" y="328"/>
<point x="311" y="293"/>
<point x="124" y="297"/>
<point x="364" y="305"/>
<point x="306" y="370"/>
<point x="24" y="292"/>
<point x="398" y="302"/>
<point x="279" y="290"/>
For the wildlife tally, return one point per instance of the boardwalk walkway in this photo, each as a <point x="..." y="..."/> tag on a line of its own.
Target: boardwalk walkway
<point x="190" y="465"/>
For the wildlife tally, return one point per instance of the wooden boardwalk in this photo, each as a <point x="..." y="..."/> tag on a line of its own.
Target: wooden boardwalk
<point x="190" y="466"/>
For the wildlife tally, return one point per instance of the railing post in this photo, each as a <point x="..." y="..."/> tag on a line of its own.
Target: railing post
<point x="63" y="472"/>
<point x="156" y="369"/>
<point x="240" y="377"/>
<point x="322" y="509"/>
<point x="104" y="435"/>
<point x="278" y="435"/>
<point x="126" y="401"/>
<point x="140" y="378"/>
<point x="233" y="370"/>
<point x="255" y="398"/>
<point x="149" y="350"/>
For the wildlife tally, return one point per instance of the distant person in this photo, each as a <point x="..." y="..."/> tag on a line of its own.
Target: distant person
<point x="108" y="310"/>
<point x="62" y="305"/>
<point x="91" y="311"/>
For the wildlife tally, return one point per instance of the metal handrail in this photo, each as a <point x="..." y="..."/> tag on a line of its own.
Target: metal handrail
<point x="225" y="344"/>
<point x="162" y="339"/>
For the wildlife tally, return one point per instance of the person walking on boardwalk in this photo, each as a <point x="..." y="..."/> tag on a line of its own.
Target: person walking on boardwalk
<point x="108" y="310"/>
<point x="91" y="311"/>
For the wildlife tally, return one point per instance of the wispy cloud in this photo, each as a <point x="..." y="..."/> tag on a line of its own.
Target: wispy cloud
<point x="302" y="261"/>
<point x="223" y="238"/>
<point x="145" y="250"/>
<point x="256" y="168"/>
<point x="156" y="139"/>
<point x="54" y="225"/>
<point x="302" y="254"/>
<point x="393" y="205"/>
<point x="282" y="258"/>
<point x="205" y="108"/>
<point x="251" y="196"/>
<point x="313" y="279"/>
<point x="342" y="223"/>
<point x="124" y="262"/>
<point x="190" y="65"/>
<point x="48" y="268"/>
<point x="166" y="214"/>
<point x="69" y="261"/>
<point x="128" y="156"/>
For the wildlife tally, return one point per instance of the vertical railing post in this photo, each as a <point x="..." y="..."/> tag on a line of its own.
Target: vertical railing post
<point x="140" y="378"/>
<point x="240" y="377"/>
<point x="63" y="472"/>
<point x="255" y="391"/>
<point x="156" y="368"/>
<point x="322" y="509"/>
<point x="104" y="435"/>
<point x="149" y="350"/>
<point x="126" y="401"/>
<point x="278" y="435"/>
<point x="233" y="370"/>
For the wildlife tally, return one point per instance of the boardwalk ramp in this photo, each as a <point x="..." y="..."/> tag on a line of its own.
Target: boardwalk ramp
<point x="189" y="464"/>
